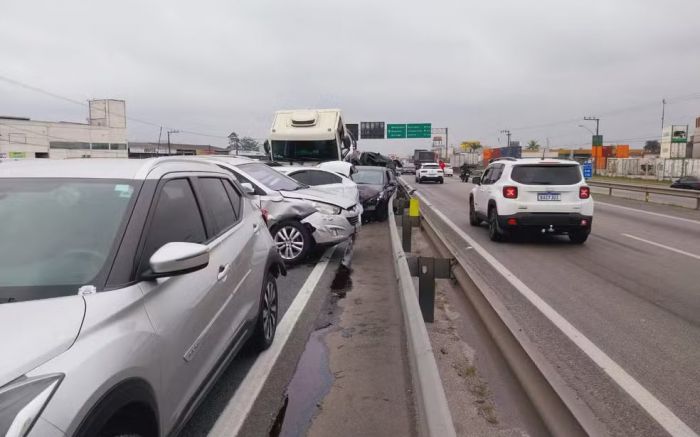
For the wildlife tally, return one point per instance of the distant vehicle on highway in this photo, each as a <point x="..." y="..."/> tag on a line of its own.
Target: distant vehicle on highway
<point x="687" y="182"/>
<point x="331" y="183"/>
<point x="127" y="286"/>
<point x="299" y="217"/>
<point x="309" y="136"/>
<point x="430" y="171"/>
<point x="421" y="156"/>
<point x="408" y="168"/>
<point x="547" y="196"/>
<point x="376" y="185"/>
<point x="449" y="172"/>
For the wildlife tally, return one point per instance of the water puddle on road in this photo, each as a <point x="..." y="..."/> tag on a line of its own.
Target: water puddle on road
<point x="312" y="379"/>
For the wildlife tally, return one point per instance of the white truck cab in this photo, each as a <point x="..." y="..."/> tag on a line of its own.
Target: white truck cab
<point x="309" y="136"/>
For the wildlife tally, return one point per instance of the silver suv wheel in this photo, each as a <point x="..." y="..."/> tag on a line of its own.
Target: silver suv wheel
<point x="289" y="242"/>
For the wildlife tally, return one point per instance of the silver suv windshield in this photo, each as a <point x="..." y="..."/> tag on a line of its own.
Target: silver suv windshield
<point x="546" y="174"/>
<point x="57" y="234"/>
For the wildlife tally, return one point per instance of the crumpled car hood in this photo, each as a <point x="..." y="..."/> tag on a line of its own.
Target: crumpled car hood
<point x="368" y="191"/>
<point x="37" y="331"/>
<point x="318" y="196"/>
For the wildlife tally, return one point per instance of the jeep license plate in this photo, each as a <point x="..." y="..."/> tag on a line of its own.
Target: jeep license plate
<point x="548" y="197"/>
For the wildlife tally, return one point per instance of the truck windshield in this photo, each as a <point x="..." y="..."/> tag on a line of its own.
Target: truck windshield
<point x="546" y="174"/>
<point x="57" y="234"/>
<point x="319" y="150"/>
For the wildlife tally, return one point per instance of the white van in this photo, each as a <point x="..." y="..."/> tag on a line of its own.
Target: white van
<point x="303" y="136"/>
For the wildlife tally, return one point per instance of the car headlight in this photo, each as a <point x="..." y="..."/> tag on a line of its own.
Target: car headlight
<point x="22" y="402"/>
<point x="326" y="208"/>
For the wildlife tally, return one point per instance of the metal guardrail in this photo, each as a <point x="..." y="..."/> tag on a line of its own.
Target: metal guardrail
<point x="434" y="417"/>
<point x="562" y="412"/>
<point x="648" y="189"/>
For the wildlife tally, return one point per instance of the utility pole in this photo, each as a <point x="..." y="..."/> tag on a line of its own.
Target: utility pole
<point x="160" y="133"/>
<point x="507" y="132"/>
<point x="447" y="144"/>
<point x="663" y="112"/>
<point x="174" y="131"/>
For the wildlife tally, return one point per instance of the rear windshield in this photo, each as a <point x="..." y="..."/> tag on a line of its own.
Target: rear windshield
<point x="546" y="174"/>
<point x="430" y="166"/>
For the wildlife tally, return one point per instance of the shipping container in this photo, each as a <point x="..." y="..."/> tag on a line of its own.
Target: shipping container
<point x="469" y="158"/>
<point x="622" y="151"/>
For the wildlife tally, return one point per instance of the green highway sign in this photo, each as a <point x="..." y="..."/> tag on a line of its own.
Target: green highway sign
<point x="419" y="130"/>
<point x="396" y="131"/>
<point x="597" y="140"/>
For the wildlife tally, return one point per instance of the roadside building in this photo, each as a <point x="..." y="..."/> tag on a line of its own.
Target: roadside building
<point x="103" y="136"/>
<point x="150" y="149"/>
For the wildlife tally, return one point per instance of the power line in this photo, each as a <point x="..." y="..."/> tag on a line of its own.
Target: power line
<point x="84" y="104"/>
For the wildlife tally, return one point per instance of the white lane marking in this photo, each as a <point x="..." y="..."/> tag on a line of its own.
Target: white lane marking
<point x="663" y="246"/>
<point x="657" y="410"/>
<point x="236" y="412"/>
<point x="695" y="222"/>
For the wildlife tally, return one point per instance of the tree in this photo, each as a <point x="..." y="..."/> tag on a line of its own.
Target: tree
<point x="233" y="142"/>
<point x="249" y="144"/>
<point x="533" y="146"/>
<point x="470" y="145"/>
<point x="652" y="147"/>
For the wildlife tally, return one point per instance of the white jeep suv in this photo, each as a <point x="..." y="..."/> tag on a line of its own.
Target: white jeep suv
<point x="429" y="171"/>
<point x="544" y="195"/>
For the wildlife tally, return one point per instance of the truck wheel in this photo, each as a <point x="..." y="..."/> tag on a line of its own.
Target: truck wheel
<point x="578" y="237"/>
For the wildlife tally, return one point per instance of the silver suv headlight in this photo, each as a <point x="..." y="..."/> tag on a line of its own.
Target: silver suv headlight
<point x="326" y="208"/>
<point x="22" y="401"/>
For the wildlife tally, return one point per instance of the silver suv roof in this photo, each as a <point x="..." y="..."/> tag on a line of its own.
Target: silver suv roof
<point x="98" y="168"/>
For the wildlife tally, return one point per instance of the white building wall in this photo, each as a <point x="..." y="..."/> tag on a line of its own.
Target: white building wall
<point x="104" y="136"/>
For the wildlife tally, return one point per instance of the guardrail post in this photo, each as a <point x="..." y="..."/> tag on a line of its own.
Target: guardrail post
<point x="426" y="288"/>
<point x="697" y="203"/>
<point x="406" y="226"/>
<point x="414" y="211"/>
<point x="610" y="191"/>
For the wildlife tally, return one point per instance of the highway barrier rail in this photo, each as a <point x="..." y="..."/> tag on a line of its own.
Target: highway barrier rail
<point x="561" y="410"/>
<point x="434" y="418"/>
<point x="648" y="189"/>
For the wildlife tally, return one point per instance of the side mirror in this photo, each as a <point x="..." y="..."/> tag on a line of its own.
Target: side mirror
<point x="476" y="180"/>
<point x="177" y="259"/>
<point x="266" y="147"/>
<point x="248" y="188"/>
<point x="347" y="143"/>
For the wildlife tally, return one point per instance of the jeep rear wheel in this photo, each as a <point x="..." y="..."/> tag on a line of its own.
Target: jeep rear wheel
<point x="473" y="218"/>
<point x="578" y="237"/>
<point x="495" y="232"/>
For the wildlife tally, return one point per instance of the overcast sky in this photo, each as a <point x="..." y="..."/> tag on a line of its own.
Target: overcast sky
<point x="535" y="67"/>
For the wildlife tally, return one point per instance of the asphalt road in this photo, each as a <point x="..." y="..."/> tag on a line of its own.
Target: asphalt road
<point x="633" y="289"/>
<point x="209" y="410"/>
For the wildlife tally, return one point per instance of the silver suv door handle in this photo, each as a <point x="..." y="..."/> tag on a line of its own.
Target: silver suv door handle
<point x="223" y="272"/>
<point x="256" y="228"/>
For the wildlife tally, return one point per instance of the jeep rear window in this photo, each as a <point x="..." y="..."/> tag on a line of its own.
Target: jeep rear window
<point x="546" y="174"/>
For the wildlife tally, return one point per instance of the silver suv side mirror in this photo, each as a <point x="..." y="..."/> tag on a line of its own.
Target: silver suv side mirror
<point x="248" y="188"/>
<point x="177" y="259"/>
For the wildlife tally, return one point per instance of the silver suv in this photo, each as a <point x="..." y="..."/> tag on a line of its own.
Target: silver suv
<point x="126" y="287"/>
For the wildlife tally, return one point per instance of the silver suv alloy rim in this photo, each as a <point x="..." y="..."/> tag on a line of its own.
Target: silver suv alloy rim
<point x="269" y="313"/>
<point x="289" y="242"/>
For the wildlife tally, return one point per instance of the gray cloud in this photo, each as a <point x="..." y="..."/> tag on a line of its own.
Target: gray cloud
<point x="477" y="67"/>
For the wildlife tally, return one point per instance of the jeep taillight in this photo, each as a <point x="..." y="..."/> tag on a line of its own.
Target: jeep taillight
<point x="584" y="192"/>
<point x="510" y="192"/>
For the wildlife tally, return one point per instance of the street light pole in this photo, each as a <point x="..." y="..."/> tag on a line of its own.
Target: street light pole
<point x="174" y="131"/>
<point x="597" y="123"/>
<point x="507" y="132"/>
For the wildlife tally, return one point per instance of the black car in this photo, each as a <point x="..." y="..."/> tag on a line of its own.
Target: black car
<point x="376" y="185"/>
<point x="687" y="182"/>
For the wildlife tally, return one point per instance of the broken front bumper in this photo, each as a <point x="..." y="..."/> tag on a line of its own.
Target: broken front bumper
<point x="330" y="229"/>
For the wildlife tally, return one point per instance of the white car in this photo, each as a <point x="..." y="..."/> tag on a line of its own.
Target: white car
<point x="327" y="181"/>
<point x="429" y="171"/>
<point x="448" y="171"/>
<point x="549" y="196"/>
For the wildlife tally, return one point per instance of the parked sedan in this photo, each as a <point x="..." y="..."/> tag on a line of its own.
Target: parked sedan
<point x="126" y="287"/>
<point x="299" y="217"/>
<point x="687" y="182"/>
<point x="376" y="185"/>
